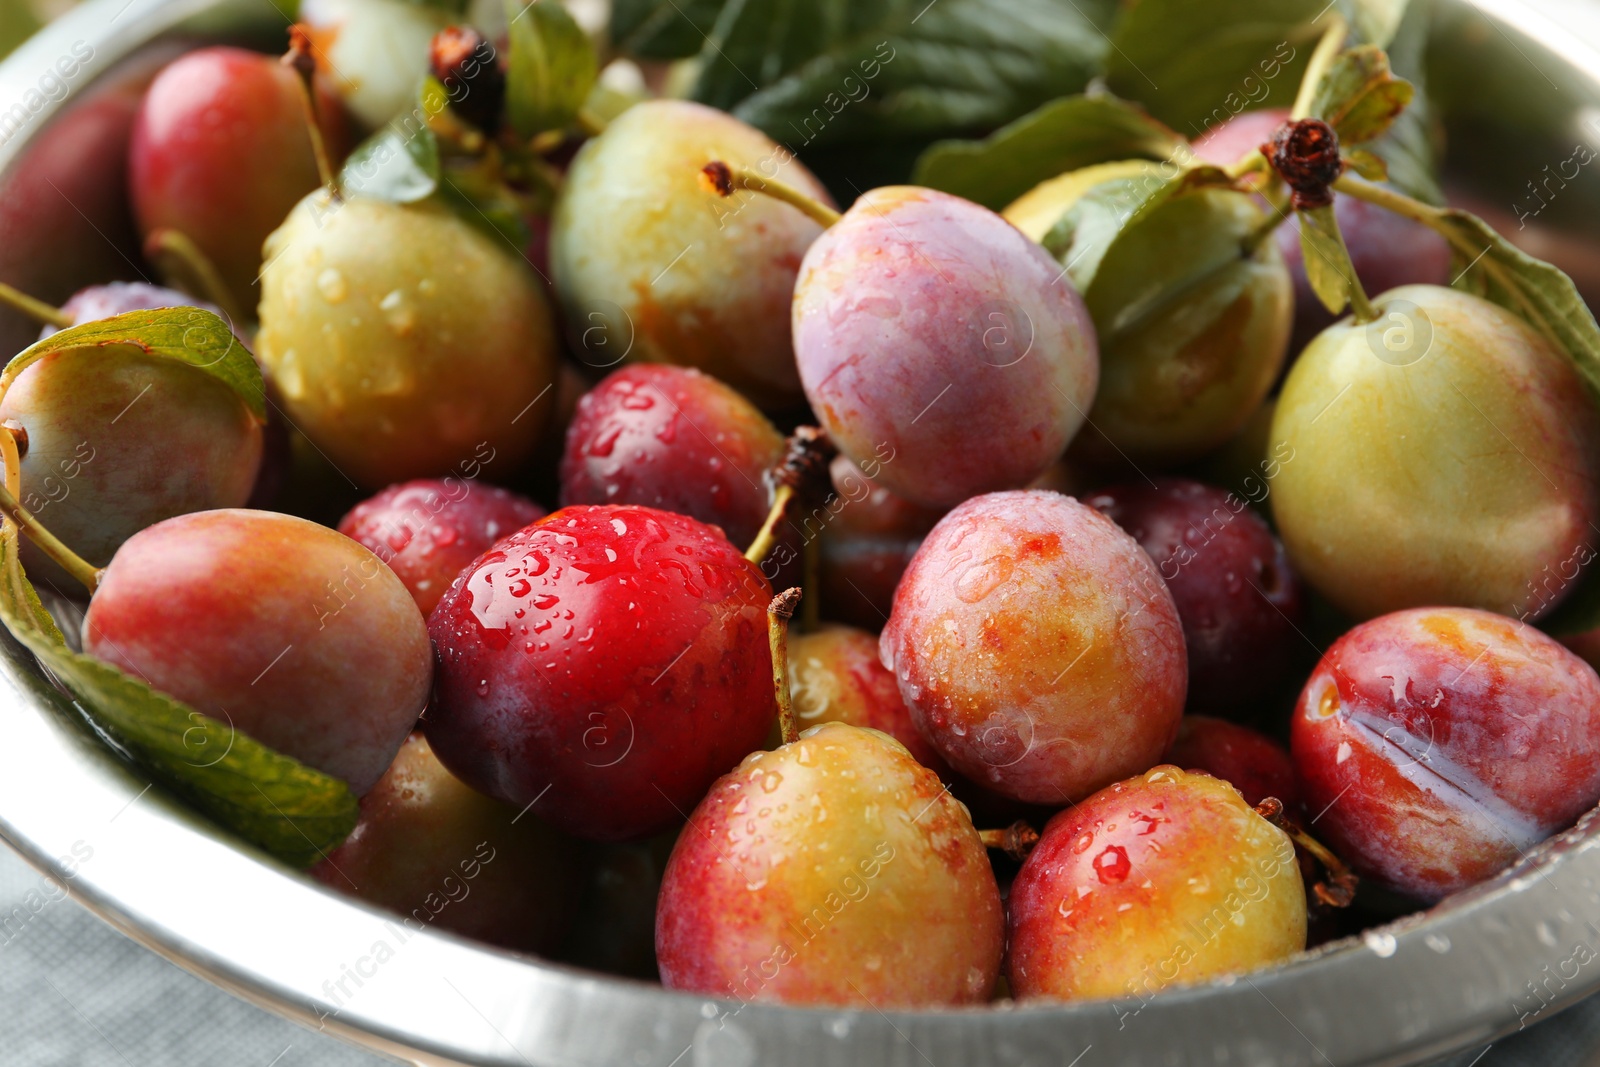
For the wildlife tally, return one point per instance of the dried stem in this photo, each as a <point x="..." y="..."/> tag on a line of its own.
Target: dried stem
<point x="1016" y="840"/>
<point x="779" y="612"/>
<point x="1338" y="889"/>
<point x="724" y="179"/>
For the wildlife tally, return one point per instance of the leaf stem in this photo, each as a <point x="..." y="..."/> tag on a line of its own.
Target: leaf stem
<point x="1339" y="889"/>
<point x="1274" y="193"/>
<point x="1391" y="200"/>
<point x="85" y="572"/>
<point x="725" y="178"/>
<point x="779" y="612"/>
<point x="35" y="309"/>
<point x="182" y="259"/>
<point x="1322" y="58"/>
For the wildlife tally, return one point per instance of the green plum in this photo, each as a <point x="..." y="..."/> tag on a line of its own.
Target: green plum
<point x="1444" y="454"/>
<point x="1193" y="321"/>
<point x="651" y="267"/>
<point x="403" y="340"/>
<point x="113" y="441"/>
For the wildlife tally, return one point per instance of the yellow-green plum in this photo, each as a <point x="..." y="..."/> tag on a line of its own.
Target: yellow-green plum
<point x="1168" y="878"/>
<point x="1193" y="323"/>
<point x="115" y="440"/>
<point x="1037" y="647"/>
<point x="651" y="265"/>
<point x="439" y="854"/>
<point x="928" y="329"/>
<point x="834" y="870"/>
<point x="291" y="632"/>
<point x="1443" y="455"/>
<point x="403" y="340"/>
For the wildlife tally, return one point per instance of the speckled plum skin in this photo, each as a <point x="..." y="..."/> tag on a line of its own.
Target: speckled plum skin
<point x="220" y="152"/>
<point x="835" y="675"/>
<point x="118" y="441"/>
<point x="1165" y="879"/>
<point x="834" y="870"/>
<point x="439" y="854"/>
<point x="1464" y="474"/>
<point x="1037" y="647"/>
<point x="675" y="439"/>
<point x="652" y="264"/>
<point x="1441" y="743"/>
<point x="295" y="634"/>
<point x="930" y="325"/>
<point x="1250" y="761"/>
<point x="1241" y="604"/>
<point x="604" y="665"/>
<point x="427" y="531"/>
<point x="1386" y="250"/>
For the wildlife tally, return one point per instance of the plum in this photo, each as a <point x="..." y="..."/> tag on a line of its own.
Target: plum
<point x="926" y="325"/>
<point x="437" y="853"/>
<point x="221" y="152"/>
<point x="1037" y="647"/>
<point x="834" y="870"/>
<point x="404" y="340"/>
<point x="1253" y="763"/>
<point x="603" y="666"/>
<point x="1445" y="454"/>
<point x="117" y="298"/>
<point x="1192" y="333"/>
<point x="675" y="439"/>
<point x="651" y="268"/>
<point x="1437" y="745"/>
<point x="835" y="675"/>
<point x="866" y="538"/>
<point x="1386" y="250"/>
<point x="113" y="442"/>
<point x="428" y="531"/>
<point x="377" y="51"/>
<point x="291" y="632"/>
<point x="1240" y="602"/>
<point x="1214" y="889"/>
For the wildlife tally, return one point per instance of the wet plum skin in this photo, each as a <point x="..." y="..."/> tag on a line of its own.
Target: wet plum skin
<point x="833" y="869"/>
<point x="1435" y="745"/>
<point x="1250" y="761"/>
<point x="675" y="439"/>
<point x="1037" y="647"/>
<point x="929" y="328"/>
<point x="604" y="665"/>
<point x="428" y="530"/>
<point x="1164" y="879"/>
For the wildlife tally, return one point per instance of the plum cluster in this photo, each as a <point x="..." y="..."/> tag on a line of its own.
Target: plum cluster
<point x="1059" y="713"/>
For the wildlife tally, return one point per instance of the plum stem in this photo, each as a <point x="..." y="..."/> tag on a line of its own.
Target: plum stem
<point x="779" y="612"/>
<point x="766" y="537"/>
<point x="1016" y="840"/>
<point x="35" y="309"/>
<point x="300" y="59"/>
<point x="724" y="179"/>
<point x="1322" y="58"/>
<point x="1339" y="888"/>
<point x="184" y="261"/>
<point x="70" y="561"/>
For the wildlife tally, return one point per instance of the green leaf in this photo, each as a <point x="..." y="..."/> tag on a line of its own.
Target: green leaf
<point x="1063" y="135"/>
<point x="399" y="163"/>
<point x="1195" y="65"/>
<point x="662" y="29"/>
<point x="185" y="334"/>
<point x="484" y="201"/>
<point x="551" y="67"/>
<point x="1366" y="164"/>
<point x="833" y="71"/>
<point x="449" y="7"/>
<point x="1376" y="21"/>
<point x="270" y="800"/>
<point x="1407" y="149"/>
<point x="1359" y="96"/>
<point x="1087" y="231"/>
<point x="1327" y="260"/>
